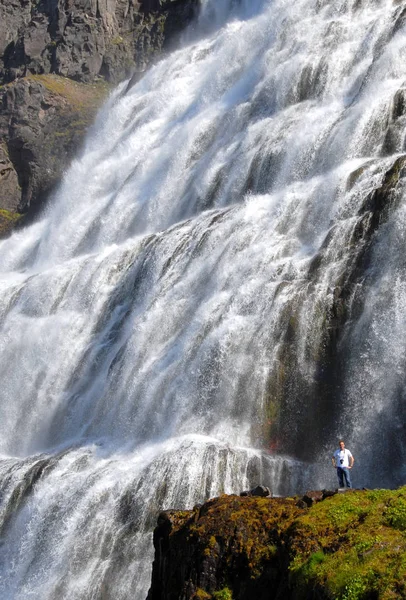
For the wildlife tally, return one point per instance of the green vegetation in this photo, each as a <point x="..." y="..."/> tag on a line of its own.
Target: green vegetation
<point x="224" y="594"/>
<point x="118" y="39"/>
<point x="362" y="546"/>
<point x="201" y="595"/>
<point x="8" y="220"/>
<point x="395" y="512"/>
<point x="80" y="96"/>
<point x="349" y="546"/>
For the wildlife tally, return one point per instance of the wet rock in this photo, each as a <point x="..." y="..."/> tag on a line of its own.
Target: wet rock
<point x="21" y="492"/>
<point x="394" y="137"/>
<point x="288" y="386"/>
<point x="399" y="104"/>
<point x="356" y="175"/>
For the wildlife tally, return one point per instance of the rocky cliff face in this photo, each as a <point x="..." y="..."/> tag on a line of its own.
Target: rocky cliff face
<point x="57" y="58"/>
<point x="338" y="546"/>
<point x="81" y="39"/>
<point x="42" y="123"/>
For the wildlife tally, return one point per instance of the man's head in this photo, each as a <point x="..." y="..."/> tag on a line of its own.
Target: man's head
<point x="341" y="444"/>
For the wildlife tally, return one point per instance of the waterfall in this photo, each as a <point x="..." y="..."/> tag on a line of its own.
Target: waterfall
<point x="209" y="299"/>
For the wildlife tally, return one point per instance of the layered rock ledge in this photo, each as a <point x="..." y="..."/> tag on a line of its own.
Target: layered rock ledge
<point x="320" y="546"/>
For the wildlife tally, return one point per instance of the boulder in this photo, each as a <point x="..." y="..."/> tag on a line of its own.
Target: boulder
<point x="260" y="491"/>
<point x="311" y="497"/>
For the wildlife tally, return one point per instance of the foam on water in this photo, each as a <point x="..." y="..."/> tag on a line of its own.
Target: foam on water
<point x="146" y="318"/>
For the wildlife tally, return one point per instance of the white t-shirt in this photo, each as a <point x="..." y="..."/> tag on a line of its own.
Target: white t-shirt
<point x="342" y="455"/>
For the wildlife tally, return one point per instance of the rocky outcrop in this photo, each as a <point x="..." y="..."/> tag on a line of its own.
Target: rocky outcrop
<point x="42" y="122"/>
<point x="343" y="546"/>
<point x="57" y="59"/>
<point x="81" y="39"/>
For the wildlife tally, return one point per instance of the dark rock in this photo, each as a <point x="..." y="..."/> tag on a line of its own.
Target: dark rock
<point x="163" y="518"/>
<point x="399" y="104"/>
<point x="217" y="551"/>
<point x="394" y="137"/>
<point x="311" y="497"/>
<point x="314" y="496"/>
<point x="80" y="40"/>
<point x="329" y="493"/>
<point x="43" y="120"/>
<point x="261" y="491"/>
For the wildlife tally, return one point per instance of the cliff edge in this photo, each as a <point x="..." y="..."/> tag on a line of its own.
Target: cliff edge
<point x="345" y="546"/>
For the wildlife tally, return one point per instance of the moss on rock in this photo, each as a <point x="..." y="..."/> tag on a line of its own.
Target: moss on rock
<point x="8" y="220"/>
<point x="79" y="96"/>
<point x="350" y="546"/>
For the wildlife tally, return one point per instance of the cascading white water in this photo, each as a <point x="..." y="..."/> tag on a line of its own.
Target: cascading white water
<point x="144" y="318"/>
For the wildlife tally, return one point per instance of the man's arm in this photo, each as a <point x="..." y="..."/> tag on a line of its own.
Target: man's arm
<point x="351" y="460"/>
<point x="333" y="460"/>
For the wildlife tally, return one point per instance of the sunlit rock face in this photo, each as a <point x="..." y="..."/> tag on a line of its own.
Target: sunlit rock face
<point x="213" y="296"/>
<point x="81" y="39"/>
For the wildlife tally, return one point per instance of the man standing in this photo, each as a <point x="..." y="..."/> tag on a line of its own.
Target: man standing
<point x="343" y="461"/>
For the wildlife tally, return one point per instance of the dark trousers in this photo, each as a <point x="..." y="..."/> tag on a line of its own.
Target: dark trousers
<point x="343" y="474"/>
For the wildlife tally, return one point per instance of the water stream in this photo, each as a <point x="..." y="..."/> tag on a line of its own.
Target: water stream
<point x="197" y="311"/>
